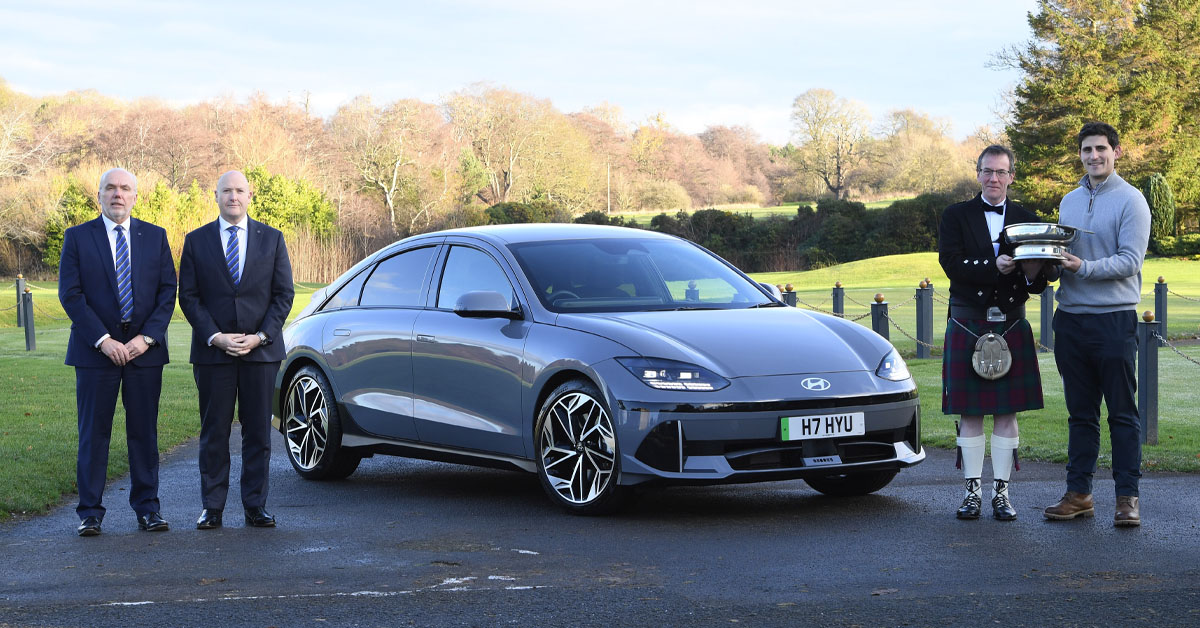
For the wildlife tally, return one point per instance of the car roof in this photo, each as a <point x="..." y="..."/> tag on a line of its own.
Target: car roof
<point x="540" y="232"/>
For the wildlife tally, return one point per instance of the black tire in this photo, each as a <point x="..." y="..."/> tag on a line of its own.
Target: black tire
<point x="312" y="429"/>
<point x="578" y="460"/>
<point x="851" y="484"/>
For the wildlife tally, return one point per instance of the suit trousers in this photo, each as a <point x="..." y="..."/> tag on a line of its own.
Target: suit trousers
<point x="96" y="390"/>
<point x="219" y="385"/>
<point x="1096" y="356"/>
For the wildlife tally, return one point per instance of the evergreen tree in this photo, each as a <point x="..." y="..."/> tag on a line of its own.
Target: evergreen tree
<point x="1162" y="210"/>
<point x="1075" y="71"/>
<point x="1135" y="65"/>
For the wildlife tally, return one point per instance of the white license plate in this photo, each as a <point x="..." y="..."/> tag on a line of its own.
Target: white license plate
<point x="823" y="426"/>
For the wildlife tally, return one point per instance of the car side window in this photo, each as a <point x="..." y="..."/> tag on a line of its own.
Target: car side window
<point x="347" y="295"/>
<point x="397" y="280"/>
<point x="467" y="270"/>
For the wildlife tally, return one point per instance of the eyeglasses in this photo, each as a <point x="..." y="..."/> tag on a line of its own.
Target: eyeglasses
<point x="988" y="172"/>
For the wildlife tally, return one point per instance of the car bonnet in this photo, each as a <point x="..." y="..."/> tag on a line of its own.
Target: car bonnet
<point x="743" y="342"/>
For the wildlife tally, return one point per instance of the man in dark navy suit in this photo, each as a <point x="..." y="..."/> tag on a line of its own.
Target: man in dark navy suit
<point x="235" y="288"/>
<point x="116" y="281"/>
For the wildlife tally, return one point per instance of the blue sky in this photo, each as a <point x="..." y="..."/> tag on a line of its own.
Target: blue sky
<point x="699" y="63"/>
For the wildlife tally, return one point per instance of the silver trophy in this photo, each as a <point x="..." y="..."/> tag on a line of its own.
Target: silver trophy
<point x="1040" y="240"/>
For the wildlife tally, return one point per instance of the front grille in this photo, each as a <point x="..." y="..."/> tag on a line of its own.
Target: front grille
<point x="772" y="454"/>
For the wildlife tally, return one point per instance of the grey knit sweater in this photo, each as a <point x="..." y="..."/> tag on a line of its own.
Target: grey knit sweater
<point x="1110" y="277"/>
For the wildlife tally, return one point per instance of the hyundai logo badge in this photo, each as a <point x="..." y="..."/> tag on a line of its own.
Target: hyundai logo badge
<point x="815" y="383"/>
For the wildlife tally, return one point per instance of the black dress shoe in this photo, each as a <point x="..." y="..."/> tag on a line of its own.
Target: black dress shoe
<point x="90" y="526"/>
<point x="209" y="518"/>
<point x="1002" y="509"/>
<point x="972" y="502"/>
<point x="152" y="522"/>
<point x="259" y="518"/>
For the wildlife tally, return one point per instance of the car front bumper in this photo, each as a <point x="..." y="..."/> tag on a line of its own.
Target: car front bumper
<point x="713" y="443"/>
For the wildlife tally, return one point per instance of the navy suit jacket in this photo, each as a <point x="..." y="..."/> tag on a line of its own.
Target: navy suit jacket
<point x="87" y="288"/>
<point x="260" y="302"/>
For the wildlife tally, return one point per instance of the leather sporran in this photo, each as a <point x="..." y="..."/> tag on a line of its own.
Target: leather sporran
<point x="991" y="359"/>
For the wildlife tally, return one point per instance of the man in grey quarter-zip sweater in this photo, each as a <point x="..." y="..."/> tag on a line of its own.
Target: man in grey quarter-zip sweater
<point x="1095" y="326"/>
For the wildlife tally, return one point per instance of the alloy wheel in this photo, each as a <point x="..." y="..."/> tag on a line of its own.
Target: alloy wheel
<point x="578" y="448"/>
<point x="307" y="422"/>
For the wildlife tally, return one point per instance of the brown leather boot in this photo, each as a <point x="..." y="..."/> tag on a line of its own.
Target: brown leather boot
<point x="1127" y="512"/>
<point x="1070" y="506"/>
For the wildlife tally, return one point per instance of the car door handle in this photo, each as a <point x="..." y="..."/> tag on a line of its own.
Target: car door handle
<point x="341" y="332"/>
<point x="424" y="338"/>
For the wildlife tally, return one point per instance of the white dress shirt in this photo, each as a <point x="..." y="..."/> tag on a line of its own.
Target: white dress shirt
<point x="995" y="223"/>
<point x="112" y="238"/>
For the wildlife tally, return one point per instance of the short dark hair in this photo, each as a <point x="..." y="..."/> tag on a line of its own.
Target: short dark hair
<point x="1098" y="128"/>
<point x="996" y="149"/>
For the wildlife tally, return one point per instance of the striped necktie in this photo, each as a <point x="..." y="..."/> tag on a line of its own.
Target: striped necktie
<point x="124" y="286"/>
<point x="231" y="256"/>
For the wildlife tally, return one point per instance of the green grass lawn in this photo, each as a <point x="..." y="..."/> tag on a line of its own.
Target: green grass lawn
<point x="37" y="406"/>
<point x="898" y="276"/>
<point x="38" y="437"/>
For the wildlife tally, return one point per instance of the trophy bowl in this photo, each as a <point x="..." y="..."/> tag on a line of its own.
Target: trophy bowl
<point x="1040" y="240"/>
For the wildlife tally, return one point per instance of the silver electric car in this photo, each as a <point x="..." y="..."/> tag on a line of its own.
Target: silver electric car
<point x="603" y="359"/>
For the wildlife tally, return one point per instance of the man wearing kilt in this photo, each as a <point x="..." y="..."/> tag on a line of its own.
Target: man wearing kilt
<point x="987" y="296"/>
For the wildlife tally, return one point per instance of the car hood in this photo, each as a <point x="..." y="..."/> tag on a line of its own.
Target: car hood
<point x="744" y="342"/>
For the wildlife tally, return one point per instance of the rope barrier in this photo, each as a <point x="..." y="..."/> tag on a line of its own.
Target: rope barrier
<point x="47" y="314"/>
<point x="1170" y="291"/>
<point x="897" y="306"/>
<point x="818" y="309"/>
<point x="909" y="336"/>
<point x="10" y="308"/>
<point x="1173" y="348"/>
<point x="856" y="302"/>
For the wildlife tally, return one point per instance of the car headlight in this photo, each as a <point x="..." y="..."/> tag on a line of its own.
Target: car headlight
<point x="672" y="375"/>
<point x="893" y="368"/>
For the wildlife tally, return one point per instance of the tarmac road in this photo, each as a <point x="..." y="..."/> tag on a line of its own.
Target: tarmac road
<point x="427" y="544"/>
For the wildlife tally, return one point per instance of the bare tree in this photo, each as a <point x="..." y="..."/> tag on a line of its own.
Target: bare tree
<point x="502" y="127"/>
<point x="832" y="135"/>
<point x="390" y="149"/>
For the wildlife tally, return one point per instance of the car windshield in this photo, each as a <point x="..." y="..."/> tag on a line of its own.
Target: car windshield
<point x="632" y="275"/>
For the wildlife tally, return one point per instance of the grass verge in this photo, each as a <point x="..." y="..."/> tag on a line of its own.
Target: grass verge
<point x="38" y="437"/>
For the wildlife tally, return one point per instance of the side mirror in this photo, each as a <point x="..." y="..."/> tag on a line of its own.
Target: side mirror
<point x="486" y="304"/>
<point x="772" y="289"/>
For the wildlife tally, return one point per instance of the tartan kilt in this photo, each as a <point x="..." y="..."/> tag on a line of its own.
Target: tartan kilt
<point x="965" y="392"/>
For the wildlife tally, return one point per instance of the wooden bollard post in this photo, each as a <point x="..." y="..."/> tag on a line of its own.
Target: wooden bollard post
<point x="1147" y="383"/>
<point x="27" y="305"/>
<point x="839" y="300"/>
<point x="924" y="319"/>
<point x="1047" y="331"/>
<point x="879" y="316"/>
<point x="1160" y="307"/>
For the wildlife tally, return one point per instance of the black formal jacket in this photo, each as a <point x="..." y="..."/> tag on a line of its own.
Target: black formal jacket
<point x="87" y="288"/>
<point x="965" y="253"/>
<point x="261" y="302"/>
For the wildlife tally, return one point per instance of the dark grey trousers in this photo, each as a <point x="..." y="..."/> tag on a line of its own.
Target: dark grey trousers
<point x="1096" y="356"/>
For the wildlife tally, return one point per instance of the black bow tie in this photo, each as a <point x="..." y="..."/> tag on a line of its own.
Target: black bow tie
<point x="993" y="209"/>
